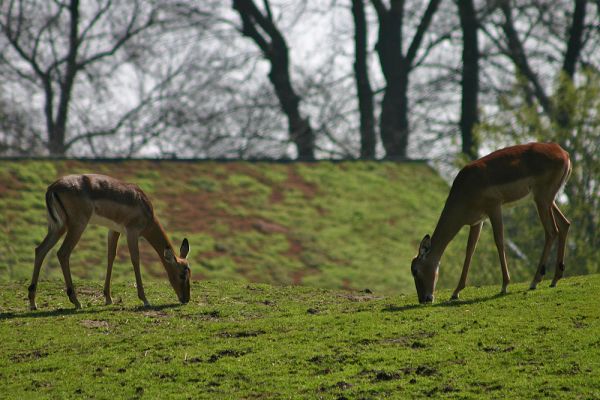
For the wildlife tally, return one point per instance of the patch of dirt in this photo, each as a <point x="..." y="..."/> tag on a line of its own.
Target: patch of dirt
<point x="495" y="349"/>
<point x="298" y="275"/>
<point x="91" y="323"/>
<point x="32" y="355"/>
<point x="294" y="181"/>
<point x="225" y="353"/>
<point x="89" y="292"/>
<point x="386" y="376"/>
<point x="412" y="340"/>
<point x="578" y="322"/>
<point x="343" y="385"/>
<point x="241" y="334"/>
<point x="359" y="298"/>
<point x="155" y="314"/>
<point x="210" y="315"/>
<point x="266" y="227"/>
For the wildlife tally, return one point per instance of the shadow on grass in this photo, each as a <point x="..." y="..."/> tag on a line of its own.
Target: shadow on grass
<point x="85" y="311"/>
<point x="446" y="303"/>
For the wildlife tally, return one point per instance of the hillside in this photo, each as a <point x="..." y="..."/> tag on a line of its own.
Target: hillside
<point x="256" y="341"/>
<point x="326" y="224"/>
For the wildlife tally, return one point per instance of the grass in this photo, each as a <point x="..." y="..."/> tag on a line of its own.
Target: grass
<point x="345" y="225"/>
<point x="257" y="341"/>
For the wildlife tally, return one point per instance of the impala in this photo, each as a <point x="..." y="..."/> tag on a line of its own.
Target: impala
<point x="479" y="191"/>
<point x="74" y="201"/>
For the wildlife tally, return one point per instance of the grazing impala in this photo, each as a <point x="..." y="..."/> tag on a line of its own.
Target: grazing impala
<point x="74" y="201"/>
<point x="479" y="191"/>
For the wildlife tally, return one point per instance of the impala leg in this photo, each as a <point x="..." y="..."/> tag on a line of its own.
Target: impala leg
<point x="113" y="240"/>
<point x="563" y="229"/>
<point x="551" y="231"/>
<point x="134" y="252"/>
<point x="498" y="228"/>
<point x="474" y="232"/>
<point x="64" y="253"/>
<point x="53" y="235"/>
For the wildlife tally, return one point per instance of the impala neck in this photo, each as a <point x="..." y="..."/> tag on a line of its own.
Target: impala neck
<point x="446" y="229"/>
<point x="157" y="237"/>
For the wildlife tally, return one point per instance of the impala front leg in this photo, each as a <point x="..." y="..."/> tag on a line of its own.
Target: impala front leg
<point x="113" y="239"/>
<point x="134" y="252"/>
<point x="474" y="232"/>
<point x="563" y="230"/>
<point x="498" y="228"/>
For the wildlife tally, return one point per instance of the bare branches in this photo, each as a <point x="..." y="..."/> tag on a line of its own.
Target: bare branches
<point x="421" y="29"/>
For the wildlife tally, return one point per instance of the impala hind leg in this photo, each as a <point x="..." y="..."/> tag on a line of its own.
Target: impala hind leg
<point x="64" y="253"/>
<point x="113" y="240"/>
<point x="53" y="235"/>
<point x="134" y="252"/>
<point x="551" y="231"/>
<point x="563" y="229"/>
<point x="498" y="228"/>
<point x="474" y="232"/>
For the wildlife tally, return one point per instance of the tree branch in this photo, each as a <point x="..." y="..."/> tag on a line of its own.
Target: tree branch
<point x="421" y="29"/>
<point x="517" y="53"/>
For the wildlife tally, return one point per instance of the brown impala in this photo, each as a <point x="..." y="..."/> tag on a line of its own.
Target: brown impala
<point x="74" y="201"/>
<point x="479" y="191"/>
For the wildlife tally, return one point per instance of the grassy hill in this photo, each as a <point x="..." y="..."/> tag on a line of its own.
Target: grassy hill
<point x="257" y="341"/>
<point x="332" y="225"/>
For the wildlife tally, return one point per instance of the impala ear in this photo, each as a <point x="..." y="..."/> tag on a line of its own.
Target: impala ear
<point x="185" y="248"/>
<point x="169" y="255"/>
<point x="425" y="246"/>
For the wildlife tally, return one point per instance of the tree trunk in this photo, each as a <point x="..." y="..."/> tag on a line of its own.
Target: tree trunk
<point x="363" y="86"/>
<point x="394" y="117"/>
<point x="396" y="68"/>
<point x="470" y="77"/>
<point x="274" y="48"/>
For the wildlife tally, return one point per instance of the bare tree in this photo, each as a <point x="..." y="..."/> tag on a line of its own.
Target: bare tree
<point x="363" y="85"/>
<point x="52" y="46"/>
<point x="470" y="77"/>
<point x="260" y="27"/>
<point x="397" y="67"/>
<point x="517" y="52"/>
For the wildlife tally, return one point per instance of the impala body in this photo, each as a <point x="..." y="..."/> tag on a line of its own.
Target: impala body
<point x="479" y="191"/>
<point x="74" y="201"/>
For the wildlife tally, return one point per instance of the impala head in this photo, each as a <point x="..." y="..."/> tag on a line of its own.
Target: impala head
<point x="425" y="272"/>
<point x="179" y="271"/>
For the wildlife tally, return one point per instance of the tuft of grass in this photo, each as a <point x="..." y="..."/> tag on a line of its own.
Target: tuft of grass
<point x="240" y="340"/>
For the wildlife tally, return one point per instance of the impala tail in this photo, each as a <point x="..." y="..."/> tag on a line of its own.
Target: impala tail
<point x="56" y="212"/>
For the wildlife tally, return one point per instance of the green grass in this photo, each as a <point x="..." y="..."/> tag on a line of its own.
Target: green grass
<point x="256" y="341"/>
<point x="346" y="225"/>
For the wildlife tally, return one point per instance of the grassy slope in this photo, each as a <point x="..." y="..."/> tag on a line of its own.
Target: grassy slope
<point x="255" y="341"/>
<point x="331" y="225"/>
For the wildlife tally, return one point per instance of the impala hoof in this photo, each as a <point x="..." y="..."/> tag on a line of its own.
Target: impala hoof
<point x="454" y="296"/>
<point x="33" y="307"/>
<point x="553" y="284"/>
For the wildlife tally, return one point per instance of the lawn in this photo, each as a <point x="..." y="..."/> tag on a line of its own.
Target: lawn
<point x="238" y="340"/>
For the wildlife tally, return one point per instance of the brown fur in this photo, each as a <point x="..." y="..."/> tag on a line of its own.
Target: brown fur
<point x="480" y="190"/>
<point x="74" y="201"/>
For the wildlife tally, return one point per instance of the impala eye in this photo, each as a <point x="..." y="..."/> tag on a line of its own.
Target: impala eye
<point x="184" y="273"/>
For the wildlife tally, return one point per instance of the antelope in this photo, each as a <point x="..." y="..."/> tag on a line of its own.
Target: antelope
<point x="73" y="201"/>
<point x="479" y="191"/>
